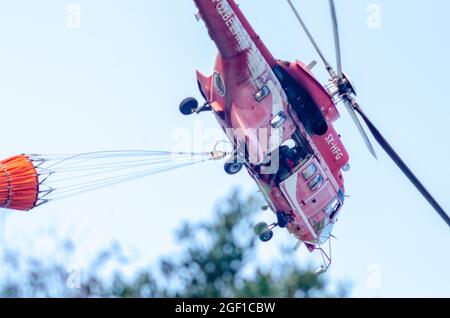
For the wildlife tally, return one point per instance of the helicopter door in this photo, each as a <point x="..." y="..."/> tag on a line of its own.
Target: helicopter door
<point x="289" y="189"/>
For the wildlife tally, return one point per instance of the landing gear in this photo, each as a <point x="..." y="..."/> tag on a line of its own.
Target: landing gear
<point x="235" y="164"/>
<point x="188" y="106"/>
<point x="283" y="219"/>
<point x="266" y="236"/>
<point x="233" y="167"/>
<point x="264" y="232"/>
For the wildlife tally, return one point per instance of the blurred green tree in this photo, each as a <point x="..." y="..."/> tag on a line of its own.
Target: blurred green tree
<point x="216" y="259"/>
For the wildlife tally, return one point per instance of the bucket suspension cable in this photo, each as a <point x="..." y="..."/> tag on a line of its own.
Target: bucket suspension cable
<point x="27" y="181"/>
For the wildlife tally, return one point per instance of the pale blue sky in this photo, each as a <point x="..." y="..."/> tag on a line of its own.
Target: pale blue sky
<point x="116" y="82"/>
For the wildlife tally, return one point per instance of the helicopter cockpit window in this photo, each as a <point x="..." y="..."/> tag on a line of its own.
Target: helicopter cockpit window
<point x="278" y="120"/>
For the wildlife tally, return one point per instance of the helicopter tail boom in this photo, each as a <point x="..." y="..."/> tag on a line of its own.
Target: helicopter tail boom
<point x="229" y="29"/>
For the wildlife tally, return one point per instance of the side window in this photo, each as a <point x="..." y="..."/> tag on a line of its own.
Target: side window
<point x="262" y="94"/>
<point x="219" y="84"/>
<point x="278" y="120"/>
<point x="316" y="183"/>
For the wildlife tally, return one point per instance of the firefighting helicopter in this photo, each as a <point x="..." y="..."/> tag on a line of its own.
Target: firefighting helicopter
<point x="279" y="119"/>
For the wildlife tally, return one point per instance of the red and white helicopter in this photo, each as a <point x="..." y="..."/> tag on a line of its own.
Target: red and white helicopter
<point x="279" y="119"/>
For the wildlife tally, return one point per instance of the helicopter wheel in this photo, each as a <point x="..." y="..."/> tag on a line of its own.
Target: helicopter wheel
<point x="266" y="235"/>
<point x="233" y="167"/>
<point x="261" y="227"/>
<point x="264" y="232"/>
<point x="188" y="106"/>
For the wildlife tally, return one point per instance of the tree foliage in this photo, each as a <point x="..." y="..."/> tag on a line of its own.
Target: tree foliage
<point x="218" y="258"/>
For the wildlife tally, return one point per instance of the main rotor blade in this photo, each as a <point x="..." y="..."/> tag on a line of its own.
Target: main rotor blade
<point x="337" y="42"/>
<point x="351" y="111"/>
<point x="403" y="167"/>
<point x="310" y="36"/>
